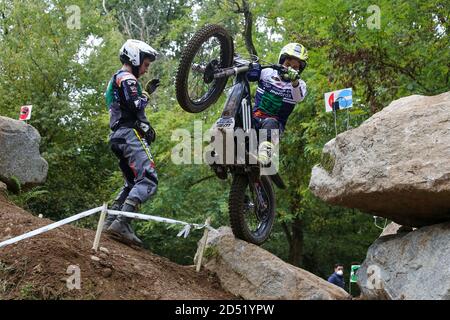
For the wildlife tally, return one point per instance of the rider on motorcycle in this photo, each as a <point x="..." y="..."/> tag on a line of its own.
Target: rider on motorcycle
<point x="277" y="95"/>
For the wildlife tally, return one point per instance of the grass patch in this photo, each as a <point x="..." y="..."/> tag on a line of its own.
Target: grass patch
<point x="211" y="252"/>
<point x="29" y="292"/>
<point x="327" y="162"/>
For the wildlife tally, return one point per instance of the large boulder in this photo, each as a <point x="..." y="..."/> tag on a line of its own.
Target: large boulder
<point x="412" y="265"/>
<point x="395" y="165"/>
<point x="251" y="272"/>
<point x="19" y="154"/>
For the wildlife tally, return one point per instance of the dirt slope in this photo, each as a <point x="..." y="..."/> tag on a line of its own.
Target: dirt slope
<point x="36" y="268"/>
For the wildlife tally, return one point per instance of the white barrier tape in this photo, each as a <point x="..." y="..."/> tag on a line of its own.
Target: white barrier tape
<point x="185" y="232"/>
<point x="50" y="227"/>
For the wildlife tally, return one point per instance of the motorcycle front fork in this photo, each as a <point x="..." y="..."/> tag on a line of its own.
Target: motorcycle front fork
<point x="256" y="189"/>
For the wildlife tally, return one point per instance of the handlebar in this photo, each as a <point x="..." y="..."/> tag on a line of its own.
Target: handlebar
<point x="232" y="71"/>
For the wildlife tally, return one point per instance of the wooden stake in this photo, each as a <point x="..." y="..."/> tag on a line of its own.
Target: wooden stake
<point x="101" y="222"/>
<point x="203" y="245"/>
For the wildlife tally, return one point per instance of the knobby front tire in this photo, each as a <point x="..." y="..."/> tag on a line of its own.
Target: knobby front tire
<point x="183" y="88"/>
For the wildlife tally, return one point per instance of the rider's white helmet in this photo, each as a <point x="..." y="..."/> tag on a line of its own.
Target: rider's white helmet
<point x="134" y="52"/>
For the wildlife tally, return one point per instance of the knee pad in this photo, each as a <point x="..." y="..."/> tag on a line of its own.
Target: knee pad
<point x="270" y="123"/>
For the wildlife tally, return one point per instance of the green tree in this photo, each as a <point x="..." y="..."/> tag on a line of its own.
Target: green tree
<point x="61" y="68"/>
<point x="63" y="71"/>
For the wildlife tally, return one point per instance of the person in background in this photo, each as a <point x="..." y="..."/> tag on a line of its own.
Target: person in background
<point x="337" y="278"/>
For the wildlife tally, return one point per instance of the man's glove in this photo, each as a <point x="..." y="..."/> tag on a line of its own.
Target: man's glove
<point x="291" y="75"/>
<point x="150" y="136"/>
<point x="146" y="130"/>
<point x="145" y="96"/>
<point x="254" y="72"/>
<point x="151" y="86"/>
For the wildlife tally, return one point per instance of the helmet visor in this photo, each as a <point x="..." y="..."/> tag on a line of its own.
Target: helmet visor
<point x="148" y="55"/>
<point x="302" y="66"/>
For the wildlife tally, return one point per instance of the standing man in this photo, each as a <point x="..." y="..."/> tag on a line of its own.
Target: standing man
<point x="131" y="136"/>
<point x="337" y="278"/>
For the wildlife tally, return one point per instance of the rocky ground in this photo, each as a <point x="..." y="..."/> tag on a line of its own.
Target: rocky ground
<point x="36" y="268"/>
<point x="396" y="165"/>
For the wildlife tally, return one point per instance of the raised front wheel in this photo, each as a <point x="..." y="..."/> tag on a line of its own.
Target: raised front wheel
<point x="210" y="48"/>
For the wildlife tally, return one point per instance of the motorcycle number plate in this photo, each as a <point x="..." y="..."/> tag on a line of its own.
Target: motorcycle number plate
<point x="225" y="123"/>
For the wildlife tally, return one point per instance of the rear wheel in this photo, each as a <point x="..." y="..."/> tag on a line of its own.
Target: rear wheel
<point x="252" y="208"/>
<point x="210" y="48"/>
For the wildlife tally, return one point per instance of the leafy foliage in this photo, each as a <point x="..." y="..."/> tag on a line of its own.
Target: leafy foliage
<point x="63" y="72"/>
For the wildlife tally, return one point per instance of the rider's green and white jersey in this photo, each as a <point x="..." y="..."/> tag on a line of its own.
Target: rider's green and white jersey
<point x="275" y="97"/>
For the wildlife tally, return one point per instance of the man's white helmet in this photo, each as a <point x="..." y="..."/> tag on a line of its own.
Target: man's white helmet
<point x="133" y="52"/>
<point x="295" y="50"/>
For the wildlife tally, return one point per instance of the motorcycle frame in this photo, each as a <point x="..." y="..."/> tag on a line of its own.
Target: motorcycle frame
<point x="238" y="109"/>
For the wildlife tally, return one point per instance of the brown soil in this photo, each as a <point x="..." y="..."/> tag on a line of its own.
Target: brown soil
<point x="36" y="268"/>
